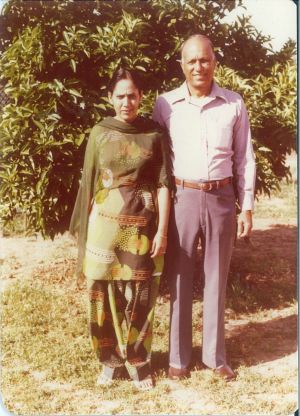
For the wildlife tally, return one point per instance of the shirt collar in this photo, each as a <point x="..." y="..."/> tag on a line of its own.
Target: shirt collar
<point x="217" y="91"/>
<point x="182" y="93"/>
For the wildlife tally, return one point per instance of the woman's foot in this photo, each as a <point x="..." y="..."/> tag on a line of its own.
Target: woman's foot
<point x="140" y="376"/>
<point x="104" y="380"/>
<point x="145" y="384"/>
<point x="108" y="375"/>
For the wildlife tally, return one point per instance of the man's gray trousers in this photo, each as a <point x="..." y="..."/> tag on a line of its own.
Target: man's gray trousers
<point x="210" y="216"/>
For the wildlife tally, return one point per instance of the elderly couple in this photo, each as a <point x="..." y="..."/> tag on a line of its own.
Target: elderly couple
<point x="198" y="143"/>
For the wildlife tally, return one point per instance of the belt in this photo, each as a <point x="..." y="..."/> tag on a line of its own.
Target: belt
<point x="203" y="186"/>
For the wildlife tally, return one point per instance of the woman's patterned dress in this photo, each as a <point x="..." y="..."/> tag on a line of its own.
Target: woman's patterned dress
<point x="116" y="215"/>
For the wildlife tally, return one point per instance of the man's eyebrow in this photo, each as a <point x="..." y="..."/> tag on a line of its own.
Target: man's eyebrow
<point x="128" y="95"/>
<point x="203" y="58"/>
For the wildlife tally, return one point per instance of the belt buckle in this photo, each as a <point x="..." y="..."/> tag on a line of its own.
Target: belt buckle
<point x="205" y="186"/>
<point x="210" y="186"/>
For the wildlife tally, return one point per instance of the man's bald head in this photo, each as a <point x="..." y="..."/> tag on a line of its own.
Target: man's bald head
<point x="196" y="38"/>
<point x="198" y="63"/>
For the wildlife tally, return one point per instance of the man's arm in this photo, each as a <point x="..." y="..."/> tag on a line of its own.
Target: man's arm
<point x="244" y="170"/>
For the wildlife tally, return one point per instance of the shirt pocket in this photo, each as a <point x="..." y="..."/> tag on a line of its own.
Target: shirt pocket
<point x="221" y="135"/>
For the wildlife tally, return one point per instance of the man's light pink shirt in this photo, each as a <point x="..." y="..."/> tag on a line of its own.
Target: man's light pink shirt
<point x="211" y="137"/>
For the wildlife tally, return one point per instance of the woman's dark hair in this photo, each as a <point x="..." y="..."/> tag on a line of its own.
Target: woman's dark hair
<point x="123" y="73"/>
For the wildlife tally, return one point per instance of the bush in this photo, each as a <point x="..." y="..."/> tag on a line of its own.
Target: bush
<point x="58" y="57"/>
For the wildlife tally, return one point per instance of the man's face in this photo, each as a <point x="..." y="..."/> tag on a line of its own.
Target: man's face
<point x="198" y="64"/>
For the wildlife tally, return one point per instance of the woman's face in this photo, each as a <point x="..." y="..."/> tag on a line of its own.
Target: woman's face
<point x="126" y="100"/>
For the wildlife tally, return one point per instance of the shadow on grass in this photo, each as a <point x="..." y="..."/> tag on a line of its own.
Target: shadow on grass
<point x="262" y="272"/>
<point x="160" y="362"/>
<point x="256" y="343"/>
<point x="247" y="345"/>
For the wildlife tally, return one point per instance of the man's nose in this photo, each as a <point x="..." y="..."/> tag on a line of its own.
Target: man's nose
<point x="198" y="66"/>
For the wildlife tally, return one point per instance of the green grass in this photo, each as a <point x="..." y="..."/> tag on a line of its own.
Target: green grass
<point x="49" y="368"/>
<point x="44" y="336"/>
<point x="282" y="203"/>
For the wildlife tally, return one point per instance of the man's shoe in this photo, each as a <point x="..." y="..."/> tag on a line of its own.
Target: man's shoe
<point x="225" y="372"/>
<point x="178" y="373"/>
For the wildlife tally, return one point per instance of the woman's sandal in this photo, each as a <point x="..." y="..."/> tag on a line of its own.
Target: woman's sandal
<point x="104" y="380"/>
<point x="145" y="384"/>
<point x="108" y="375"/>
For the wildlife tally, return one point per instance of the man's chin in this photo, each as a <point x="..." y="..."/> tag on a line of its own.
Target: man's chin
<point x="200" y="81"/>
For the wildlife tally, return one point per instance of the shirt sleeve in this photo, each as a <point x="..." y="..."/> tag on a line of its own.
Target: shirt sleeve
<point x="244" y="160"/>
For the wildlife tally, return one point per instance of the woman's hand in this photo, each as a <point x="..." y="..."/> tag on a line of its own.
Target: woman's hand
<point x="159" y="245"/>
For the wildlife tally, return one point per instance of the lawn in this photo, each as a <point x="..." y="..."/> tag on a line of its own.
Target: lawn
<point x="48" y="367"/>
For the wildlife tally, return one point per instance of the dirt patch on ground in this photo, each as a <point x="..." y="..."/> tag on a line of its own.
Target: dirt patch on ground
<point x="270" y="349"/>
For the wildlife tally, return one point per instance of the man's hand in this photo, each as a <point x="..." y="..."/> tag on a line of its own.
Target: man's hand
<point x="245" y="224"/>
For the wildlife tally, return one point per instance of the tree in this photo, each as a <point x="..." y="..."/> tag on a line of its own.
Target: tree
<point x="58" y="57"/>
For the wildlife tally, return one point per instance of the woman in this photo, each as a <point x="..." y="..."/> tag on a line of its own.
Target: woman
<point x="121" y="214"/>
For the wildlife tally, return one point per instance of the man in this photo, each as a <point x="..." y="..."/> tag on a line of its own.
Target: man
<point x="211" y="140"/>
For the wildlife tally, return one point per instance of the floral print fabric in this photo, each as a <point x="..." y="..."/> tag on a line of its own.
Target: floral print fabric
<point x="129" y="163"/>
<point x="113" y="303"/>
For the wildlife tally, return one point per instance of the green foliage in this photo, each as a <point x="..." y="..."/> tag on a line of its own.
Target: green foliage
<point x="271" y="105"/>
<point x="57" y="60"/>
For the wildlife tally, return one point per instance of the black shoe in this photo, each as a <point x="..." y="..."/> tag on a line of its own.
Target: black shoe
<point x="225" y="372"/>
<point x="178" y="373"/>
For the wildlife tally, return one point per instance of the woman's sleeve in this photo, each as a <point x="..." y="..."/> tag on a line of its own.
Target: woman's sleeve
<point x="79" y="219"/>
<point x="84" y="195"/>
<point x="165" y="175"/>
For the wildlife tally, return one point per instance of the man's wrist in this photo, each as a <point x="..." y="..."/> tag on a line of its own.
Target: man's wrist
<point x="247" y="211"/>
